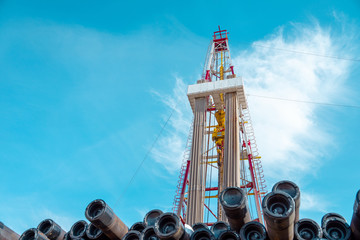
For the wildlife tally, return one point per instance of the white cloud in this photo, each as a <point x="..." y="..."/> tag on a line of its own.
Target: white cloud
<point x="292" y="138"/>
<point x="313" y="202"/>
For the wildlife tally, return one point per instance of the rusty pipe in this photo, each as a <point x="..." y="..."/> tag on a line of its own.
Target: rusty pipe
<point x="306" y="229"/>
<point x="94" y="233"/>
<point x="78" y="230"/>
<point x="51" y="229"/>
<point x="202" y="234"/>
<point x="168" y="226"/>
<point x="151" y="217"/>
<point x="199" y="225"/>
<point x="253" y="230"/>
<point x="7" y="233"/>
<point x="335" y="228"/>
<point x="229" y="235"/>
<point x="33" y="234"/>
<point x="132" y="235"/>
<point x="104" y="218"/>
<point x="279" y="214"/>
<point x="149" y="234"/>
<point x="234" y="202"/>
<point x="355" y="220"/>
<point x="218" y="227"/>
<point x="138" y="226"/>
<point x="293" y="190"/>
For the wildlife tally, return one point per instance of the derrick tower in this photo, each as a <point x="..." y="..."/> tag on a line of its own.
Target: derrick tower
<point x="221" y="148"/>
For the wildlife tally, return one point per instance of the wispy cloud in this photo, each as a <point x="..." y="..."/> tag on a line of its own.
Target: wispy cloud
<point x="171" y="144"/>
<point x="292" y="137"/>
<point x="314" y="202"/>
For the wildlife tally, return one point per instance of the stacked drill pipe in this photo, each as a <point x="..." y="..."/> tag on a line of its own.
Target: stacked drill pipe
<point x="33" y="234"/>
<point x="7" y="234"/>
<point x="253" y="230"/>
<point x="280" y="208"/>
<point x="168" y="226"/>
<point x="293" y="190"/>
<point x="234" y="202"/>
<point x="219" y="227"/>
<point x="51" y="229"/>
<point x="104" y="218"/>
<point x="334" y="226"/>
<point x="203" y="234"/>
<point x="355" y="221"/>
<point x="94" y="233"/>
<point x="307" y="229"/>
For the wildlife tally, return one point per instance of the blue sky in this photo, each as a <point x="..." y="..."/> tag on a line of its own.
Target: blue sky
<point x="85" y="88"/>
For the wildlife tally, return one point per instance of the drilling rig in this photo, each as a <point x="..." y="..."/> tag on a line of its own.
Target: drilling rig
<point x="221" y="149"/>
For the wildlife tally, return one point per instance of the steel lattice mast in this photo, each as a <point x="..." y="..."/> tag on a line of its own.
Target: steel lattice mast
<point x="221" y="148"/>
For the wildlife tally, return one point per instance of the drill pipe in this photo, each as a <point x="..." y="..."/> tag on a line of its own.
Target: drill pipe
<point x="335" y="228"/>
<point x="92" y="232"/>
<point x="138" y="226"/>
<point x="202" y="234"/>
<point x="279" y="214"/>
<point x="199" y="225"/>
<point x="151" y="217"/>
<point x="132" y="235"/>
<point x="330" y="215"/>
<point x="104" y="218"/>
<point x="307" y="229"/>
<point x="235" y="205"/>
<point x="149" y="234"/>
<point x="67" y="236"/>
<point x="229" y="235"/>
<point x="51" y="229"/>
<point x="355" y="221"/>
<point x="253" y="230"/>
<point x="7" y="234"/>
<point x="78" y="230"/>
<point x="169" y="226"/>
<point x="33" y="234"/>
<point x="293" y="190"/>
<point x="219" y="227"/>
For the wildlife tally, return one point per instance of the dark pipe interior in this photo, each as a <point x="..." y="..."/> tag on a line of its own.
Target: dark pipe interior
<point x="202" y="235"/>
<point x="150" y="234"/>
<point x="29" y="235"/>
<point x="307" y="231"/>
<point x="288" y="188"/>
<point x="278" y="205"/>
<point x="229" y="236"/>
<point x="93" y="231"/>
<point x="95" y="209"/>
<point x="45" y="226"/>
<point x="254" y="232"/>
<point x="79" y="229"/>
<point x="232" y="197"/>
<point x="336" y="230"/>
<point x="167" y="224"/>
<point x="132" y="236"/>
